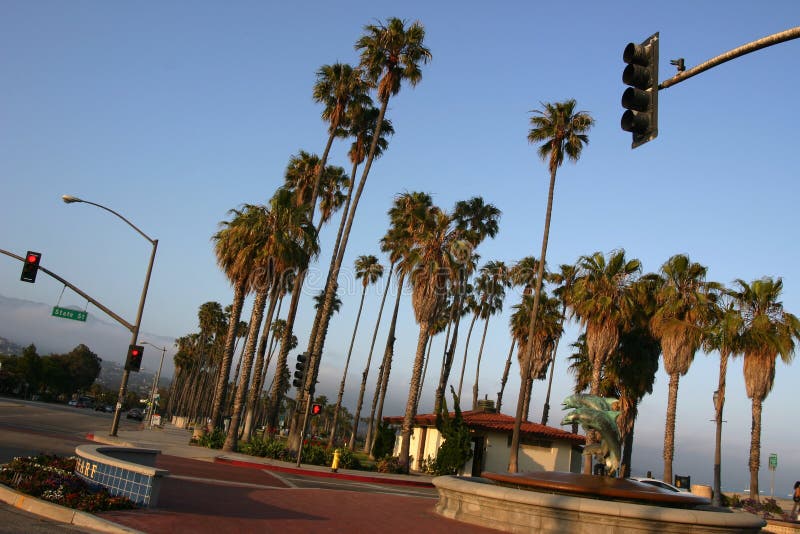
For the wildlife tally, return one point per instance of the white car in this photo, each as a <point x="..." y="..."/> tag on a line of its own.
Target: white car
<point x="657" y="483"/>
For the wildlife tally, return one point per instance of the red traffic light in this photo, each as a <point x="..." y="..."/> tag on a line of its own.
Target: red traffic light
<point x="134" y="360"/>
<point x="316" y="409"/>
<point x="30" y="267"/>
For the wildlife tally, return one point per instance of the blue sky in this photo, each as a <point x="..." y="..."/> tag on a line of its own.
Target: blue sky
<point x="173" y="112"/>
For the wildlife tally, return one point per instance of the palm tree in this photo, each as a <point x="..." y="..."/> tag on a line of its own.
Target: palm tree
<point x="474" y="221"/>
<point x="724" y="336"/>
<point x="539" y="348"/>
<point x="290" y="241"/>
<point x="602" y="300"/>
<point x="235" y="251"/>
<point x="368" y="270"/>
<point x="362" y="121"/>
<point x="768" y="331"/>
<point x="339" y="87"/>
<point x="682" y="311"/>
<point x="390" y="55"/>
<point x="562" y="131"/>
<point x="428" y="264"/>
<point x="492" y="290"/>
<point x="408" y="212"/>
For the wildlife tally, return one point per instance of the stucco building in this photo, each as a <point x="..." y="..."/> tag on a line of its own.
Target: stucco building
<point x="542" y="448"/>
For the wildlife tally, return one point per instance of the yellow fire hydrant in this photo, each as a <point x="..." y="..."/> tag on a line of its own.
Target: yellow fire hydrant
<point x="335" y="463"/>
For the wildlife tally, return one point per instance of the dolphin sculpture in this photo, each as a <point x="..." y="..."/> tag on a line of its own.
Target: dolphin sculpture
<point x="594" y="413"/>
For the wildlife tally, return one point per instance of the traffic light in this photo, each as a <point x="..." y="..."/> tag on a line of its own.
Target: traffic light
<point x="31" y="266"/>
<point x="640" y="100"/>
<point x="134" y="360"/>
<point x="300" y="373"/>
<point x="316" y="409"/>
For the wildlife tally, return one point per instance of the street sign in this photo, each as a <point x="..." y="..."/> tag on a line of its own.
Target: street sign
<point x="773" y="461"/>
<point x="66" y="313"/>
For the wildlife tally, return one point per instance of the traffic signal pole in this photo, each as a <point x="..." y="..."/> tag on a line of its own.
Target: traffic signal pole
<point x="764" y="42"/>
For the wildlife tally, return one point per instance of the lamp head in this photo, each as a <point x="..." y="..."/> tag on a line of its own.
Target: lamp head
<point x="69" y="199"/>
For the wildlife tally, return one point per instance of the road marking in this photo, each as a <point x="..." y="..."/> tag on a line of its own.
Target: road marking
<point x="224" y="482"/>
<point x="282" y="478"/>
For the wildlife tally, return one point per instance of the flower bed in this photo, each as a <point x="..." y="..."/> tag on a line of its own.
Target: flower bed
<point x="52" y="479"/>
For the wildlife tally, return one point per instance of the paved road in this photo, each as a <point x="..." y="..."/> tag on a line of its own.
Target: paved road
<point x="15" y="521"/>
<point x="204" y="496"/>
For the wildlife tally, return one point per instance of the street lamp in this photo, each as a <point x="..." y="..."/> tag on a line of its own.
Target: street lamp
<point x="69" y="199"/>
<point x="155" y="382"/>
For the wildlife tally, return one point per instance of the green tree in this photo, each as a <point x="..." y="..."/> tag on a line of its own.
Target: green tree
<point x="456" y="449"/>
<point x="408" y="211"/>
<point x="390" y="55"/>
<point x="287" y="241"/>
<point x="683" y="306"/>
<point x="601" y="298"/>
<point x="83" y="367"/>
<point x="561" y="130"/>
<point x="768" y="331"/>
<point x="491" y="286"/>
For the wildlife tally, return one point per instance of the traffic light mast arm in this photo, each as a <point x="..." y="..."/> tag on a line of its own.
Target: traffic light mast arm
<point x="764" y="42"/>
<point x="110" y="313"/>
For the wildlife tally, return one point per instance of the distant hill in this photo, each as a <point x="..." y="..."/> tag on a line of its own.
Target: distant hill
<point x="8" y="347"/>
<point x="23" y="322"/>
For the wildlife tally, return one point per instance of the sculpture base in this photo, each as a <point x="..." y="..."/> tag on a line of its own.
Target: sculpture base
<point x="618" y="489"/>
<point x="479" y="501"/>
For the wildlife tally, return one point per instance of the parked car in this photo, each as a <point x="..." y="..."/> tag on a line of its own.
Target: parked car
<point x="73" y="403"/>
<point x="108" y="408"/>
<point x="657" y="483"/>
<point x="135" y="413"/>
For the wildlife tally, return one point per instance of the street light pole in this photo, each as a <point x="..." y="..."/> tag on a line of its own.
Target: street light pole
<point x="135" y="330"/>
<point x="155" y="382"/>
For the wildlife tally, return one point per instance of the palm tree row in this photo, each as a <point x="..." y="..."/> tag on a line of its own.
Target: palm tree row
<point x="628" y="320"/>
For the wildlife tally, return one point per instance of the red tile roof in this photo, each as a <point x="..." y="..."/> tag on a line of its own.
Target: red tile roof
<point x="496" y="422"/>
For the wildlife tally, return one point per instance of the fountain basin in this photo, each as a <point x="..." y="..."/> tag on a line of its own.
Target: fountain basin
<point x="480" y="501"/>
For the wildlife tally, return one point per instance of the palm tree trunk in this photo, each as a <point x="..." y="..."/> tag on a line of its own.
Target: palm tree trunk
<point x="669" y="431"/>
<point x="546" y="409"/>
<point x="504" y="379"/>
<point x="447" y="364"/>
<point x="478" y="365"/>
<point x="259" y="366"/>
<point x="319" y="342"/>
<point x="247" y="365"/>
<point x="466" y="350"/>
<point x="627" y="454"/>
<point x="383" y="374"/>
<point x="526" y="409"/>
<point x="227" y="355"/>
<point x="425" y="367"/>
<point x="513" y="461"/>
<point x="411" y="404"/>
<point x="365" y="373"/>
<point x="346" y="366"/>
<point x="278" y="384"/>
<point x="723" y="371"/>
<point x="755" y="447"/>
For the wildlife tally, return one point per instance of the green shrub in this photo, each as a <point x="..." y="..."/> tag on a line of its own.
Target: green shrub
<point x="314" y="455"/>
<point x="390" y="464"/>
<point x="264" y="448"/>
<point x="347" y="459"/>
<point x="214" y="440"/>
<point x="456" y="449"/>
<point x="384" y="441"/>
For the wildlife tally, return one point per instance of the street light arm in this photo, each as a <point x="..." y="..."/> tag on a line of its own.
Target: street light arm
<point x="70" y="199"/>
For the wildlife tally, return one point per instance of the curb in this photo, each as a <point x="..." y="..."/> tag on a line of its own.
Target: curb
<point x="109" y="440"/>
<point x="60" y="513"/>
<point x="322" y="474"/>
